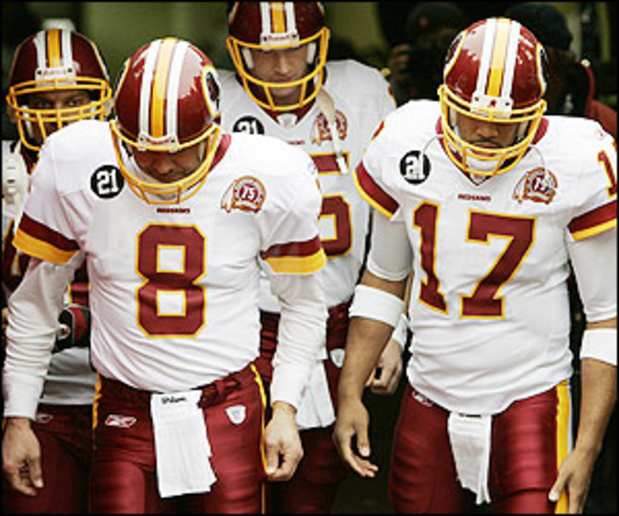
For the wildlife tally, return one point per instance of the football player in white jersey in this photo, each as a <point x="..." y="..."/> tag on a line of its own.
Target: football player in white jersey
<point x="57" y="77"/>
<point x="487" y="200"/>
<point x="284" y="87"/>
<point x="173" y="216"/>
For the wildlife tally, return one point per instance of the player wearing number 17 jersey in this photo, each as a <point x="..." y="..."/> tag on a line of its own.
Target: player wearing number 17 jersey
<point x="283" y="87"/>
<point x="173" y="216"/>
<point x="487" y="200"/>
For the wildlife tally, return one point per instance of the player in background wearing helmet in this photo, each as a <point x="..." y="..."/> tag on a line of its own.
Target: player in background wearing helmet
<point x="284" y="87"/>
<point x="486" y="200"/>
<point x="57" y="78"/>
<point x="174" y="215"/>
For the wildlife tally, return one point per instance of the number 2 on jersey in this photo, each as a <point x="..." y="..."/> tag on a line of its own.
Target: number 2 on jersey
<point x="172" y="260"/>
<point x="483" y="302"/>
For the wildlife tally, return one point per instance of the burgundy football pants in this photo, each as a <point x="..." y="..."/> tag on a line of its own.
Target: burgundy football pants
<point x="124" y="472"/>
<point x="529" y="441"/>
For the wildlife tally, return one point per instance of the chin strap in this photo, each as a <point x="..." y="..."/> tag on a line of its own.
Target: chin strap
<point x="327" y="107"/>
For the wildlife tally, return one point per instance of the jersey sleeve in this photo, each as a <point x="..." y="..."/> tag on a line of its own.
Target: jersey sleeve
<point x="369" y="176"/>
<point x="289" y="228"/>
<point x="596" y="205"/>
<point x="44" y="230"/>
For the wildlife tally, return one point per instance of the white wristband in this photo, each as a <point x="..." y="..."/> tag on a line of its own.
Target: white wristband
<point x="601" y="344"/>
<point x="373" y="303"/>
<point x="400" y="331"/>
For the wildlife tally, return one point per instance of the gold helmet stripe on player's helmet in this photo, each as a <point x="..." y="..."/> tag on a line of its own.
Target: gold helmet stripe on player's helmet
<point x="497" y="61"/>
<point x="278" y="20"/>
<point x="159" y="87"/>
<point x="53" y="48"/>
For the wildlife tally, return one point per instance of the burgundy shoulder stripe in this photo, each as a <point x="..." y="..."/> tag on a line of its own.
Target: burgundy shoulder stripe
<point x="300" y="249"/>
<point x="374" y="191"/>
<point x="37" y="230"/>
<point x="594" y="217"/>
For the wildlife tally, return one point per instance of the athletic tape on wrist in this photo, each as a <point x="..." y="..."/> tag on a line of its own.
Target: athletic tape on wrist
<point x="373" y="303"/>
<point x="601" y="344"/>
<point x="399" y="332"/>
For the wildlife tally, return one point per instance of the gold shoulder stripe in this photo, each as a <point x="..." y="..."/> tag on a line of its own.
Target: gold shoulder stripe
<point x="595" y="230"/>
<point x="40" y="249"/>
<point x="298" y="264"/>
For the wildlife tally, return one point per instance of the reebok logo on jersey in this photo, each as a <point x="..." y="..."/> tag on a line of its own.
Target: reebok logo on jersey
<point x="43" y="418"/>
<point x="120" y="421"/>
<point x="236" y="414"/>
<point x="411" y="168"/>
<point x="422" y="399"/>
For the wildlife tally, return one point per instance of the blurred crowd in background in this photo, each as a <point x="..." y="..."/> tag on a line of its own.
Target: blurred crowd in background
<point x="407" y="40"/>
<point x="580" y="39"/>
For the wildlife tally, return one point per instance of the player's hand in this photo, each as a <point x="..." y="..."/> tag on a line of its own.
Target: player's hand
<point x="574" y="478"/>
<point x="21" y="456"/>
<point x="352" y="423"/>
<point x="386" y="375"/>
<point x="74" y="328"/>
<point x="283" y="444"/>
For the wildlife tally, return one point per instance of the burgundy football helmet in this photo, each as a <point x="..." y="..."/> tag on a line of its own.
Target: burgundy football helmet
<point x="277" y="26"/>
<point x="494" y="72"/>
<point x="50" y="61"/>
<point x="166" y="100"/>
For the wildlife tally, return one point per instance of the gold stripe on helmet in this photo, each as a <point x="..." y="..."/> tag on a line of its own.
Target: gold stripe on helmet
<point x="53" y="48"/>
<point x="159" y="87"/>
<point x="499" y="51"/>
<point x="278" y="20"/>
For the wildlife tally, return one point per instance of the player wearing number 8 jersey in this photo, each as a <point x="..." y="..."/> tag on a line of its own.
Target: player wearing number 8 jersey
<point x="173" y="216"/>
<point x="486" y="201"/>
<point x="284" y="87"/>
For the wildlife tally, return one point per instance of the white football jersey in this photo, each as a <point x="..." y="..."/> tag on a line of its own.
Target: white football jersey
<point x="70" y="379"/>
<point x="489" y="306"/>
<point x="361" y="99"/>
<point x="173" y="288"/>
